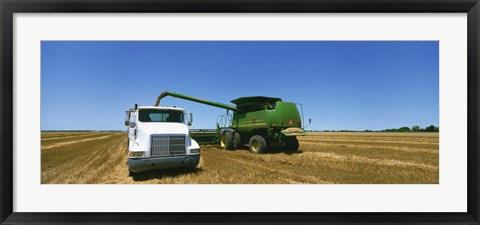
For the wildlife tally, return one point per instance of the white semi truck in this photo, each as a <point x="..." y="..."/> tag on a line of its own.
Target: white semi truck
<point x="158" y="138"/>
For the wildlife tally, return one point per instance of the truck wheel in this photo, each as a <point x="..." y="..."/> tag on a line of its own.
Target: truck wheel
<point x="226" y="141"/>
<point x="237" y="140"/>
<point x="292" y="145"/>
<point x="257" y="144"/>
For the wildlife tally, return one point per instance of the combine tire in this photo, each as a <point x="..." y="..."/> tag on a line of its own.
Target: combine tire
<point x="257" y="144"/>
<point x="292" y="145"/>
<point x="237" y="140"/>
<point x="226" y="141"/>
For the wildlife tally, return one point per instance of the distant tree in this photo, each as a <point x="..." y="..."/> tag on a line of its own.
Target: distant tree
<point x="404" y="129"/>
<point x="430" y="128"/>
<point x="416" y="128"/>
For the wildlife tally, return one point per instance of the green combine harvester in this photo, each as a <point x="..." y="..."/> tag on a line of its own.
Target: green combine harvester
<point x="260" y="122"/>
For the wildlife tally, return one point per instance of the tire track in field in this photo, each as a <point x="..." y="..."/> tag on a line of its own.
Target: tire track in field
<point x="114" y="156"/>
<point x="310" y="179"/>
<point x="73" y="142"/>
<point x="68" y="137"/>
<point x="88" y="166"/>
<point x="361" y="159"/>
<point x="372" y="141"/>
<point x="80" y="165"/>
<point x="403" y="149"/>
<point x="115" y="171"/>
<point x="63" y="134"/>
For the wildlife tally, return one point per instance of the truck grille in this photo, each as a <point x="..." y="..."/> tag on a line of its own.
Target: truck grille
<point x="167" y="145"/>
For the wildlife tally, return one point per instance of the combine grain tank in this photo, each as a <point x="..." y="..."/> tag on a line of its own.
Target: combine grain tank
<point x="259" y="122"/>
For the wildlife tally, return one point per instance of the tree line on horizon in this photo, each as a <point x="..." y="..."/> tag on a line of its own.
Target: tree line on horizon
<point x="83" y="131"/>
<point x="415" y="128"/>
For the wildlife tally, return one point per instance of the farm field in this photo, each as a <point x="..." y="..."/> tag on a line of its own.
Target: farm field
<point x="323" y="158"/>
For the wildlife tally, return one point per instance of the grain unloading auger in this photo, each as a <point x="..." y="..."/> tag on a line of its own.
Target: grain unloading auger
<point x="259" y="122"/>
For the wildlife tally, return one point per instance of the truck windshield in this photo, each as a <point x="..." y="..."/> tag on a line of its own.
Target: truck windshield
<point x="154" y="115"/>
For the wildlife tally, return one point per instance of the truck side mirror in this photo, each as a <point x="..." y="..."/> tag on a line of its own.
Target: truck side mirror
<point x="127" y="118"/>
<point x="132" y="124"/>
<point x="190" y="121"/>
<point x="310" y="120"/>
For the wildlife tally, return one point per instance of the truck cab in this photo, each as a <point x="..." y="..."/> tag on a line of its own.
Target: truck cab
<point x="158" y="138"/>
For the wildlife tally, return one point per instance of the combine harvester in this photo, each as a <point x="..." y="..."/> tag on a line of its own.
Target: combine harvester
<point x="259" y="122"/>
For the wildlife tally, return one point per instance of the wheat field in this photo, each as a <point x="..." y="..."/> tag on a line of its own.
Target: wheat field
<point x="323" y="158"/>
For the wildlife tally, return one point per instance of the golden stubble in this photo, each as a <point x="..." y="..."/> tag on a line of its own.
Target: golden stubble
<point x="323" y="158"/>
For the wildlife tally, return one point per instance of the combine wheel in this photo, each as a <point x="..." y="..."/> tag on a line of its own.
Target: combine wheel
<point x="257" y="144"/>
<point x="292" y="145"/>
<point x="237" y="140"/>
<point x="226" y="141"/>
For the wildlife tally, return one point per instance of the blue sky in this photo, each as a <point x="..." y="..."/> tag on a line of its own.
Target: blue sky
<point x="342" y="84"/>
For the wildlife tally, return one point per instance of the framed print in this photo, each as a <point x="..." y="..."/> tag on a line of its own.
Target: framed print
<point x="239" y="112"/>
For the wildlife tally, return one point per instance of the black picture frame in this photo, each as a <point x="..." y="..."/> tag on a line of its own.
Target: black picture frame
<point x="9" y="7"/>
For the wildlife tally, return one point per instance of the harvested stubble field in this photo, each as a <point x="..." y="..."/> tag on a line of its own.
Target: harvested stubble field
<point x="324" y="157"/>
